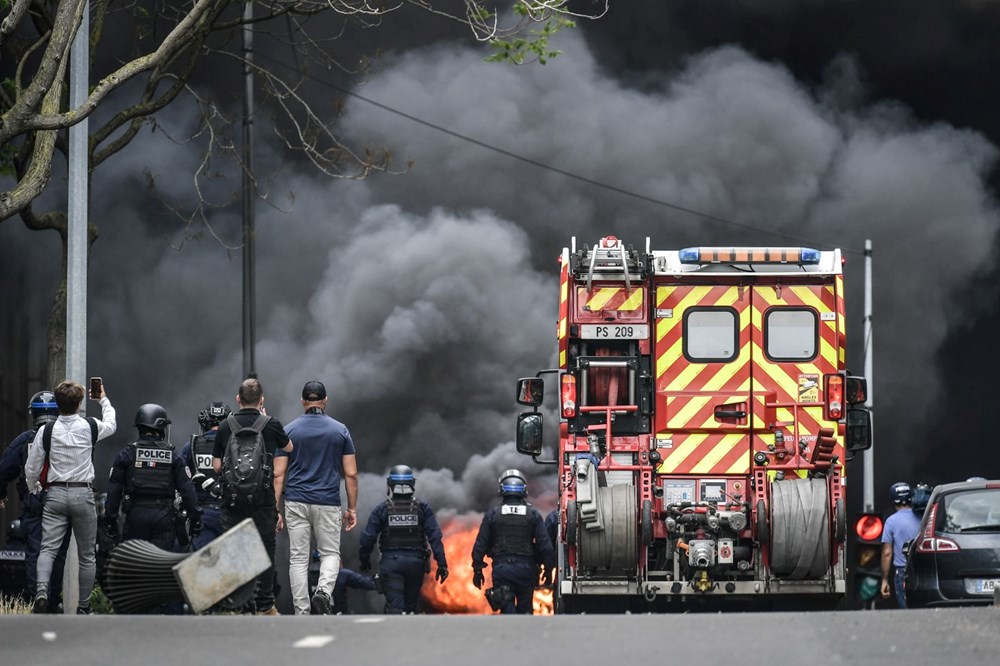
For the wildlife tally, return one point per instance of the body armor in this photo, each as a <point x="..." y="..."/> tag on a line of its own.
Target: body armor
<point x="405" y="528"/>
<point x="151" y="475"/>
<point x="512" y="533"/>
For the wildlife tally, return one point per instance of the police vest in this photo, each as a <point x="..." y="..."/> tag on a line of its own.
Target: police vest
<point x="202" y="451"/>
<point x="404" y="526"/>
<point x="151" y="475"/>
<point x="512" y="532"/>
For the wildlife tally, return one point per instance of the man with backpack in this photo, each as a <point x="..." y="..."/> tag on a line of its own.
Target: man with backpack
<point x="42" y="409"/>
<point x="252" y="477"/>
<point x="62" y="455"/>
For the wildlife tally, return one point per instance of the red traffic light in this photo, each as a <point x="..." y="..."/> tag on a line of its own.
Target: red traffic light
<point x="869" y="526"/>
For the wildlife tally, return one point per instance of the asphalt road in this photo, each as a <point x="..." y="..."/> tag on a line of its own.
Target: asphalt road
<point x="953" y="637"/>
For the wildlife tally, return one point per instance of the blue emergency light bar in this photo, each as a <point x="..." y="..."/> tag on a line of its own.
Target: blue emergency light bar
<point x="748" y="255"/>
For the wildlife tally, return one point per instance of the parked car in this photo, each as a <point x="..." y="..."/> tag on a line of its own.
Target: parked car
<point x="955" y="558"/>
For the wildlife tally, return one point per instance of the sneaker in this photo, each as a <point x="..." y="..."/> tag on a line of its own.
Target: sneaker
<point x="270" y="611"/>
<point x="83" y="610"/>
<point x="41" y="604"/>
<point x="320" y="604"/>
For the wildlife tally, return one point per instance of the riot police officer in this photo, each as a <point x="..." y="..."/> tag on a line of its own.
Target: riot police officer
<point x="404" y="526"/>
<point x="145" y="477"/>
<point x="514" y="536"/>
<point x="42" y="409"/>
<point x="197" y="456"/>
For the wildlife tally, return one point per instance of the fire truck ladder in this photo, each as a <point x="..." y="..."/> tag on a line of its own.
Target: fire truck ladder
<point x="612" y="261"/>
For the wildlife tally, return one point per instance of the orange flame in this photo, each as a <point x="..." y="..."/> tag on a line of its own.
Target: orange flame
<point x="458" y="596"/>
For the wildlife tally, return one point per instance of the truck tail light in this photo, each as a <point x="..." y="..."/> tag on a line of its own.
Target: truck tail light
<point x="834" y="397"/>
<point x="568" y="396"/>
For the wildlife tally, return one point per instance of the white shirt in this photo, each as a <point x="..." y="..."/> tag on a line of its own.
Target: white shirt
<point x="71" y="457"/>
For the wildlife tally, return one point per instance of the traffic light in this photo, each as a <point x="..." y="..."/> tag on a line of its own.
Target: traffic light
<point x="868" y="556"/>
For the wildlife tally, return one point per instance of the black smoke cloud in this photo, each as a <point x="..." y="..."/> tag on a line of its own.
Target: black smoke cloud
<point x="419" y="298"/>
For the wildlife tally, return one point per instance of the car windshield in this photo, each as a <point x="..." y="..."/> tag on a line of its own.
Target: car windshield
<point x="972" y="511"/>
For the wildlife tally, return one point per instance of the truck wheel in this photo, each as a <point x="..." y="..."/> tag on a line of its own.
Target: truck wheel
<point x="571" y="525"/>
<point x="763" y="532"/>
<point x="647" y="522"/>
<point x="840" y="523"/>
<point x="800" y="529"/>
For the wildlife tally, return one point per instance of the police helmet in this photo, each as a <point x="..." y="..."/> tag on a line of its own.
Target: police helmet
<point x="400" y="480"/>
<point x="151" y="417"/>
<point x="513" y="483"/>
<point x="901" y="493"/>
<point x="43" y="408"/>
<point x="213" y="415"/>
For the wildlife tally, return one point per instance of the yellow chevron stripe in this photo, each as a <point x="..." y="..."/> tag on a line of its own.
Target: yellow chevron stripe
<point x="683" y="418"/>
<point x="601" y="297"/>
<point x="741" y="466"/>
<point x="562" y="359"/>
<point x="634" y="301"/>
<point x="675" y="458"/>
<point x="720" y="450"/>
<point x="663" y="293"/>
<point x="668" y="358"/>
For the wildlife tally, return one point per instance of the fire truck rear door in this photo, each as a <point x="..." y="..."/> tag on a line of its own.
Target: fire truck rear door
<point x="795" y="342"/>
<point x="703" y="385"/>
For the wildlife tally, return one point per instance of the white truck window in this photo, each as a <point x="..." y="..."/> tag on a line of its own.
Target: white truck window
<point x="710" y="334"/>
<point x="790" y="334"/>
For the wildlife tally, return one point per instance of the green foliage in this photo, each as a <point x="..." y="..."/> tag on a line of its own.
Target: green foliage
<point x="99" y="602"/>
<point x="533" y="47"/>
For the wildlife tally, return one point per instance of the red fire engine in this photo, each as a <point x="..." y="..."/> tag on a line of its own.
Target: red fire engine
<point x="705" y="419"/>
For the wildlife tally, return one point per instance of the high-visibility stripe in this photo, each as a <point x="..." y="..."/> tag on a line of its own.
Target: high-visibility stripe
<point x="700" y="453"/>
<point x="611" y="299"/>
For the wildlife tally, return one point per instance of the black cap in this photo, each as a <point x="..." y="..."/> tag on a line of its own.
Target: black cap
<point x="313" y="391"/>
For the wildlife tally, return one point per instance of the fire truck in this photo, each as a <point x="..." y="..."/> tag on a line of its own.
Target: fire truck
<point x="705" y="418"/>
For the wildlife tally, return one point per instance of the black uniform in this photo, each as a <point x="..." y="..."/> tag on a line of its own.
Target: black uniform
<point x="513" y="535"/>
<point x="404" y="527"/>
<point x="12" y="469"/>
<point x="197" y="456"/>
<point x="147" y="473"/>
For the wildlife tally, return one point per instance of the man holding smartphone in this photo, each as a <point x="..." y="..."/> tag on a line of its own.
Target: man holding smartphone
<point x="67" y="444"/>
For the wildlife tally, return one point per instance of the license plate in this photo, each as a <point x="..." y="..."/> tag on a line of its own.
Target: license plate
<point x="987" y="585"/>
<point x="614" y="331"/>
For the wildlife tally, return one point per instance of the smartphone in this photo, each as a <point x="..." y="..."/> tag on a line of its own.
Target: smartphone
<point x="95" y="388"/>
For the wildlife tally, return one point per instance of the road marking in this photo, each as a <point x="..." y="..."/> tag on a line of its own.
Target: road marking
<point x="49" y="635"/>
<point x="312" y="641"/>
<point x="368" y="620"/>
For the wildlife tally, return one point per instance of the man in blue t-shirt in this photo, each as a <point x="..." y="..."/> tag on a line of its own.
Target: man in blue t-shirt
<point x="900" y="528"/>
<point x="323" y="455"/>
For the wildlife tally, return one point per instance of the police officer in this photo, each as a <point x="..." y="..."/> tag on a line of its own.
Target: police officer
<point x="197" y="457"/>
<point x="403" y="526"/>
<point x="514" y="536"/>
<point x="42" y="409"/>
<point x="145" y="477"/>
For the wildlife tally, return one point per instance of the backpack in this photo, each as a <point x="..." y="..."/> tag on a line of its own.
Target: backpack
<point x="43" y="478"/>
<point x="245" y="471"/>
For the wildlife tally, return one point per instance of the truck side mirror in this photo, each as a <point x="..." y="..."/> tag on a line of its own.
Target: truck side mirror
<point x="856" y="390"/>
<point x="858" y="431"/>
<point x="530" y="391"/>
<point x="529" y="433"/>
